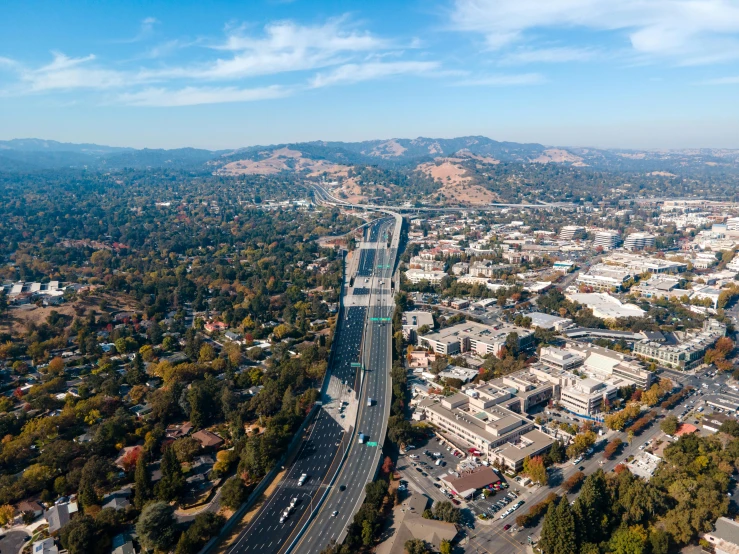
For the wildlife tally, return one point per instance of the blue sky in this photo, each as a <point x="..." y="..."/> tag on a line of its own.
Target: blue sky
<point x="218" y="74"/>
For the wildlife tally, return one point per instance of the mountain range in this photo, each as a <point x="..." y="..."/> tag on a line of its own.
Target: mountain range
<point x="28" y="155"/>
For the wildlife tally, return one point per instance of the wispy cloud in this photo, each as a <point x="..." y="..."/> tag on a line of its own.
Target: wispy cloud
<point x="355" y="73"/>
<point x="521" y="79"/>
<point x="191" y="96"/>
<point x="65" y="73"/>
<point x="685" y="31"/>
<point x="548" y="55"/>
<point x="146" y="30"/>
<point x="721" y="81"/>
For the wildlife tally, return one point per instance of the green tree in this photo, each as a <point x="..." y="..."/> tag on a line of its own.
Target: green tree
<point x="233" y="493"/>
<point x="627" y="540"/>
<point x="592" y="508"/>
<point x="368" y="533"/>
<point x="172" y="481"/>
<point x="186" y="448"/>
<point x="445" y="547"/>
<point x="142" y="480"/>
<point x="558" y="533"/>
<point x="156" y="527"/>
<point x="416" y="546"/>
<point x="669" y="425"/>
<point x="557" y="452"/>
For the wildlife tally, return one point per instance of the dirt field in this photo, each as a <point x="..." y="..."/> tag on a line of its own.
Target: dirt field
<point x="283" y="159"/>
<point x="18" y="319"/>
<point x="662" y="174"/>
<point x="457" y="187"/>
<point x="557" y="155"/>
<point x="388" y="149"/>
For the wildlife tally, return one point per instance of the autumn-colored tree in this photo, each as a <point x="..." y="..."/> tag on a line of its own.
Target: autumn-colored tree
<point x="387" y="465"/>
<point x="56" y="366"/>
<point x="130" y="458"/>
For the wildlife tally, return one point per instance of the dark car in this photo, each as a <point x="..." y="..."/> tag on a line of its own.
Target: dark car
<point x="506" y="527"/>
<point x="581" y="468"/>
<point x="342" y="487"/>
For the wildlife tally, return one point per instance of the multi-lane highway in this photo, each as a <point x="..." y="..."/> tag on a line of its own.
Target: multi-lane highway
<point x="362" y="460"/>
<point x="319" y="452"/>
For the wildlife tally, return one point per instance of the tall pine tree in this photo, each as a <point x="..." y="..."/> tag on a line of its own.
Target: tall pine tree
<point x="170" y="486"/>
<point x="143" y="482"/>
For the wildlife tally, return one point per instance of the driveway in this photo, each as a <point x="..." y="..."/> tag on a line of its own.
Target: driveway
<point x="12" y="542"/>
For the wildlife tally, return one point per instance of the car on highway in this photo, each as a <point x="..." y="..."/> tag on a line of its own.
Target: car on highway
<point x="342" y="488"/>
<point x="334" y="513"/>
<point x="302" y="479"/>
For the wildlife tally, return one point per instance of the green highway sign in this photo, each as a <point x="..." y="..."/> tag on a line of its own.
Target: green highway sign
<point x="356" y="364"/>
<point x="380" y="319"/>
<point x="371" y="444"/>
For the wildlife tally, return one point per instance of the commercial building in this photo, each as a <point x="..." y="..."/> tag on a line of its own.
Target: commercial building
<point x="586" y="376"/>
<point x="607" y="240"/>
<point x="409" y="523"/>
<point x="605" y="306"/>
<point x="572" y="232"/>
<point x="604" y="277"/>
<point x="417" y="262"/>
<point x="660" y="286"/>
<point x="639" y="241"/>
<point x="645" y="264"/>
<point x="415" y="276"/>
<point x="689" y="351"/>
<point x="484" y="417"/>
<point x="475" y="337"/>
<point x="549" y="322"/>
<point x="412" y="321"/>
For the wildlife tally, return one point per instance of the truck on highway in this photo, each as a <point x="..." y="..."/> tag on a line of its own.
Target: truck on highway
<point x="302" y="479"/>
<point x="370" y="402"/>
<point x="361" y="438"/>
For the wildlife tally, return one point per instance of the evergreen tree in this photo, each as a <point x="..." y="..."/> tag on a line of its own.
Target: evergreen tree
<point x="143" y="482"/>
<point x="136" y="374"/>
<point x="592" y="508"/>
<point x="558" y="534"/>
<point x="172" y="482"/>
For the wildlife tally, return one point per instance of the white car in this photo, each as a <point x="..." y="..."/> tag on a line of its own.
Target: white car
<point x="334" y="513"/>
<point x="413" y="456"/>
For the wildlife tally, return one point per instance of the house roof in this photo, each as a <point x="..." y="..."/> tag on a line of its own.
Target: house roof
<point x="410" y="524"/>
<point x="473" y="480"/>
<point x="207" y="438"/>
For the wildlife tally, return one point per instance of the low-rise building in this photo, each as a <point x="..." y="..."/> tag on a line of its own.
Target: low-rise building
<point x="605" y="277"/>
<point x="475" y="337"/>
<point x="550" y="322"/>
<point x="645" y="264"/>
<point x="725" y="537"/>
<point x="481" y="417"/>
<point x="415" y="276"/>
<point x="605" y="306"/>
<point x="689" y="351"/>
<point x="413" y="321"/>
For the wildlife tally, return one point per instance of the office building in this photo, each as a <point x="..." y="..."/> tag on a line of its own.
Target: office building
<point x="689" y="351"/>
<point x="572" y="232"/>
<point x="602" y="277"/>
<point x="607" y="240"/>
<point x="639" y="241"/>
<point x="475" y="337"/>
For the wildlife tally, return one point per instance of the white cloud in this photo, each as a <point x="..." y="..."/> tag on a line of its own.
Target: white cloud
<point x="355" y="73"/>
<point x="65" y="73"/>
<point x="502" y="80"/>
<point x="191" y="96"/>
<point x="688" y="31"/>
<point x="283" y="47"/>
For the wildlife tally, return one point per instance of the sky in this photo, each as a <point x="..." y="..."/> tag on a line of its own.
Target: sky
<point x="226" y="74"/>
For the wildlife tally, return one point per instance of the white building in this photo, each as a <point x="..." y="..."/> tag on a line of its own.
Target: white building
<point x="605" y="277"/>
<point x="475" y="337"/>
<point x="605" y="306"/>
<point x="572" y="232"/>
<point x="689" y="352"/>
<point x="607" y="240"/>
<point x="415" y="276"/>
<point x="639" y="241"/>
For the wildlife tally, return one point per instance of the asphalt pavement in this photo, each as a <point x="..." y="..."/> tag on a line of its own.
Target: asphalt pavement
<point x="360" y="466"/>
